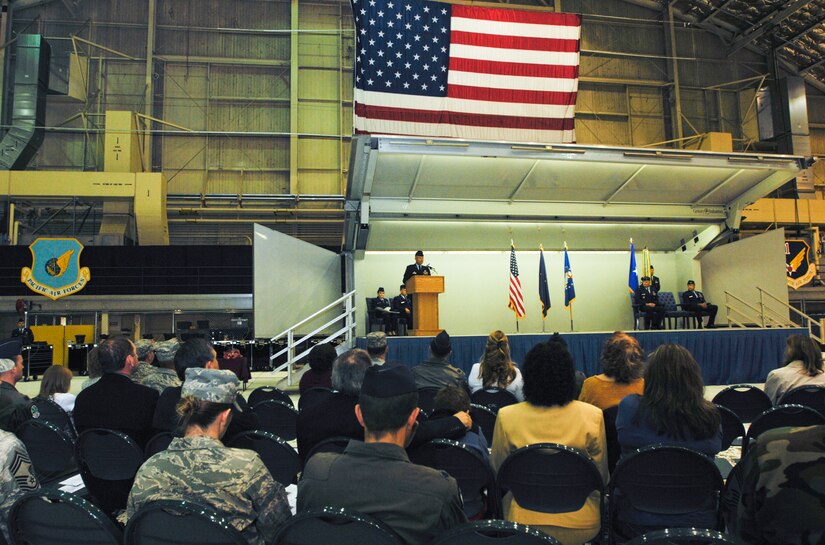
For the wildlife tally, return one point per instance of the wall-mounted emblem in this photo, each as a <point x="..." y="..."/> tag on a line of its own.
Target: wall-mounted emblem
<point x="55" y="270"/>
<point x="799" y="267"/>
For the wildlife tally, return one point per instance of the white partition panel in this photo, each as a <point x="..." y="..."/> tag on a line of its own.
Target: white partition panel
<point x="293" y="280"/>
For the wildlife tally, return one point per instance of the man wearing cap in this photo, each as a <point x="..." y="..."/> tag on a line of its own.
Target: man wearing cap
<point x="695" y="303"/>
<point x="416" y="268"/>
<point x="157" y="364"/>
<point x="403" y="306"/>
<point x="377" y="347"/>
<point x="647" y="300"/>
<point x="23" y="332"/>
<point x="198" y="467"/>
<point x="11" y="371"/>
<point x="197" y="353"/>
<point x="375" y="477"/>
<point x="115" y="402"/>
<point x="436" y="371"/>
<point x="334" y="414"/>
<point x="654" y="281"/>
<point x="383" y="309"/>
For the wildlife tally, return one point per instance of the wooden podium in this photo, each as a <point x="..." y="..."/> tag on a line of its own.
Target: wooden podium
<point x="424" y="290"/>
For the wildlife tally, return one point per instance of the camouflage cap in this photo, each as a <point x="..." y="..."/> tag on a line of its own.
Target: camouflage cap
<point x="166" y="350"/>
<point x="7" y="365"/>
<point x="215" y="385"/>
<point x="376" y="340"/>
<point x="143" y="347"/>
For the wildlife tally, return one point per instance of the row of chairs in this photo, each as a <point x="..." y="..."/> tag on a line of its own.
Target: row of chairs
<point x="673" y="311"/>
<point x="46" y="516"/>
<point x="748" y="401"/>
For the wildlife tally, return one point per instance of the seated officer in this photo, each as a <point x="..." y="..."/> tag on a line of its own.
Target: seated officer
<point x="695" y="303"/>
<point x="375" y="477"/>
<point x="648" y="302"/>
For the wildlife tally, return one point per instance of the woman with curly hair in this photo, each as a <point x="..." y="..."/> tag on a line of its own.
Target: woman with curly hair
<point x="496" y="369"/>
<point x="623" y="365"/>
<point x="802" y="367"/>
<point x="551" y="414"/>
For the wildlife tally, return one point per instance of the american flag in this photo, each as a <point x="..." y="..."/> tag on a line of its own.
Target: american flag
<point x="516" y="294"/>
<point x="436" y="69"/>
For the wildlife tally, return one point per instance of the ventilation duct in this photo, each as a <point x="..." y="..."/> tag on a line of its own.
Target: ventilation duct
<point x="28" y="102"/>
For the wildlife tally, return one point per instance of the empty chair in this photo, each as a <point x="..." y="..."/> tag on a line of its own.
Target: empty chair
<point x="746" y="401"/>
<point x="335" y="444"/>
<point x="426" y="399"/>
<point x="664" y="483"/>
<point x="493" y="398"/>
<point x="48" y="517"/>
<point x="332" y="525"/>
<point x="812" y="396"/>
<point x="474" y="474"/>
<point x="780" y="417"/>
<point x="485" y="418"/>
<point x="108" y="462"/>
<point x="278" y="456"/>
<point x="312" y="395"/>
<point x="51" y="451"/>
<point x="732" y="427"/>
<point x="277" y="417"/>
<point x="158" y="443"/>
<point x="180" y="522"/>
<point x="688" y="536"/>
<point x="672" y="310"/>
<point x="269" y="392"/>
<point x="494" y="532"/>
<point x="51" y="412"/>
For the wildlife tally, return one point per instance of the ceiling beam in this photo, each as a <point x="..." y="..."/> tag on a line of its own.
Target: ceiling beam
<point x="717" y="11"/>
<point x="765" y="25"/>
<point x="807" y="30"/>
<point x="811" y="66"/>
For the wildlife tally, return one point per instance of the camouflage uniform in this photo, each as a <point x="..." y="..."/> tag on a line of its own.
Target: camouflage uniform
<point x="157" y="378"/>
<point x="233" y="481"/>
<point x="16" y="476"/>
<point x="783" y="492"/>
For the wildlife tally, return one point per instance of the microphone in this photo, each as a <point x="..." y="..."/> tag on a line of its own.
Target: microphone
<point x="430" y="267"/>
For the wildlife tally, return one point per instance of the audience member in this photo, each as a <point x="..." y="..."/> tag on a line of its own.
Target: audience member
<point x="115" y="402"/>
<point x="16" y="476"/>
<point x="647" y="301"/>
<point x="93" y="369"/>
<point x="436" y="371"/>
<point x="802" y="366"/>
<point x="623" y="365"/>
<point x="783" y="486"/>
<point x="695" y="303"/>
<point x="197" y="353"/>
<point x="496" y="369"/>
<point x="552" y="415"/>
<point x="157" y="367"/>
<point x="56" y="383"/>
<point x="198" y="467"/>
<point x="11" y="371"/>
<point x="580" y="376"/>
<point x="319" y="374"/>
<point x="673" y="411"/>
<point x="375" y="476"/>
<point x="334" y="415"/>
<point x="377" y="347"/>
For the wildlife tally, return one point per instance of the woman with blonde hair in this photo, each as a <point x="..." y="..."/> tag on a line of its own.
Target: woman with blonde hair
<point x="496" y="369"/>
<point x="57" y="380"/>
<point x="802" y="366"/>
<point x="623" y="365"/>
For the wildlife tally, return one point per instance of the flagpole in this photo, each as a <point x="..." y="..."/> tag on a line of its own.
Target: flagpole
<point x="571" y="316"/>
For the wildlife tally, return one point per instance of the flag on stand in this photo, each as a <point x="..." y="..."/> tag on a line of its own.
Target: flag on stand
<point x="436" y="69"/>
<point x="544" y="292"/>
<point x="569" y="289"/>
<point x="516" y="294"/>
<point x="633" y="277"/>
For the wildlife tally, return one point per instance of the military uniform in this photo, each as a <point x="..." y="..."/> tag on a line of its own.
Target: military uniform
<point x="10" y="400"/>
<point x="233" y="481"/>
<point x="782" y="500"/>
<point x="654" y="316"/>
<point x="378" y="479"/>
<point x="414" y="270"/>
<point x="437" y="372"/>
<point x="157" y="378"/>
<point x="402" y="304"/>
<point x="16" y="476"/>
<point x="695" y="298"/>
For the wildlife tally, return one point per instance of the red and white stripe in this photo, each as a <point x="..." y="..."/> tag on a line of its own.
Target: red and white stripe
<point x="516" y="294"/>
<point x="513" y="75"/>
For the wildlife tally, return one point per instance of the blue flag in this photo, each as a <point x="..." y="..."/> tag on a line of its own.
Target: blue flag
<point x="544" y="293"/>
<point x="569" y="289"/>
<point x="632" y="278"/>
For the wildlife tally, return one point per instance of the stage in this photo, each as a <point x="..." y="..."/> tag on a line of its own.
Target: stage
<point x="727" y="356"/>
